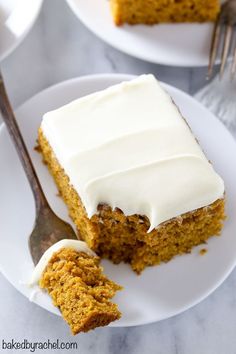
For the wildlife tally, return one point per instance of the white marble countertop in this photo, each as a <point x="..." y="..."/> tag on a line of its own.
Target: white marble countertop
<point x="60" y="47"/>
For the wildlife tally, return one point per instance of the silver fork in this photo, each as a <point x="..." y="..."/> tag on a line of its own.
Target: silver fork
<point x="48" y="228"/>
<point x="224" y="27"/>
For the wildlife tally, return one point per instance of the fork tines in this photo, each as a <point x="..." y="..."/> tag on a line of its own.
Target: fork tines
<point x="224" y="28"/>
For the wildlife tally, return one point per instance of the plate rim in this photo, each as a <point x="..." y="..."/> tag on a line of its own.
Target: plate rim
<point x="128" y="76"/>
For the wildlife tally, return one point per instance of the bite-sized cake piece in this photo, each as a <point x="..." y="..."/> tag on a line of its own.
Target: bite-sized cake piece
<point x="69" y="271"/>
<point x="158" y="11"/>
<point x="135" y="180"/>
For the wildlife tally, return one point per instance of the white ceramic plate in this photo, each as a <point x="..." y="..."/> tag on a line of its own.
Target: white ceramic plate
<point x="159" y="292"/>
<point x="169" y="44"/>
<point x="16" y="19"/>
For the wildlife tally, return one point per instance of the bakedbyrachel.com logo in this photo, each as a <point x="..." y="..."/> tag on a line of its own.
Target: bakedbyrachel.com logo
<point x="33" y="346"/>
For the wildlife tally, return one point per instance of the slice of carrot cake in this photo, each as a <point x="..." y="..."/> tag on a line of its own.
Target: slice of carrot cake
<point x="69" y="271"/>
<point x="159" y="11"/>
<point x="136" y="182"/>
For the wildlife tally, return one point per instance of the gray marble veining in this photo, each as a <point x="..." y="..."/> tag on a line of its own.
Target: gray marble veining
<point x="59" y="47"/>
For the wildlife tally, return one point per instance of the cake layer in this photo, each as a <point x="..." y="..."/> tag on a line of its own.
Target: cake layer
<point x="129" y="147"/>
<point x="158" y="11"/>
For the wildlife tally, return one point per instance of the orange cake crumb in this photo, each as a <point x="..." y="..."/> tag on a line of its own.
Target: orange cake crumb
<point x="203" y="251"/>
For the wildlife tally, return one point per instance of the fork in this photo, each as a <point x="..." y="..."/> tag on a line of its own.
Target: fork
<point x="48" y="228"/>
<point x="224" y="27"/>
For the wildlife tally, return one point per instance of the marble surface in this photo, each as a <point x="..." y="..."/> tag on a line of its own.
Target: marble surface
<point x="59" y="47"/>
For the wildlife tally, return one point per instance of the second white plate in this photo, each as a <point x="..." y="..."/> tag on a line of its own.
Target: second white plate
<point x="168" y="44"/>
<point x="159" y="292"/>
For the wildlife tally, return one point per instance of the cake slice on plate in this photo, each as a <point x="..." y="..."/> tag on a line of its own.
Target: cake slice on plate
<point x="136" y="182"/>
<point x="69" y="271"/>
<point x="159" y="11"/>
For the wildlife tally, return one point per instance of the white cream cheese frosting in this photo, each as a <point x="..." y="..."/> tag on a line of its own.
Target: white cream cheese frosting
<point x="77" y="245"/>
<point x="129" y="147"/>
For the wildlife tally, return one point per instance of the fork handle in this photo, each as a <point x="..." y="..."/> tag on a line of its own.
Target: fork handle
<point x="14" y="131"/>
